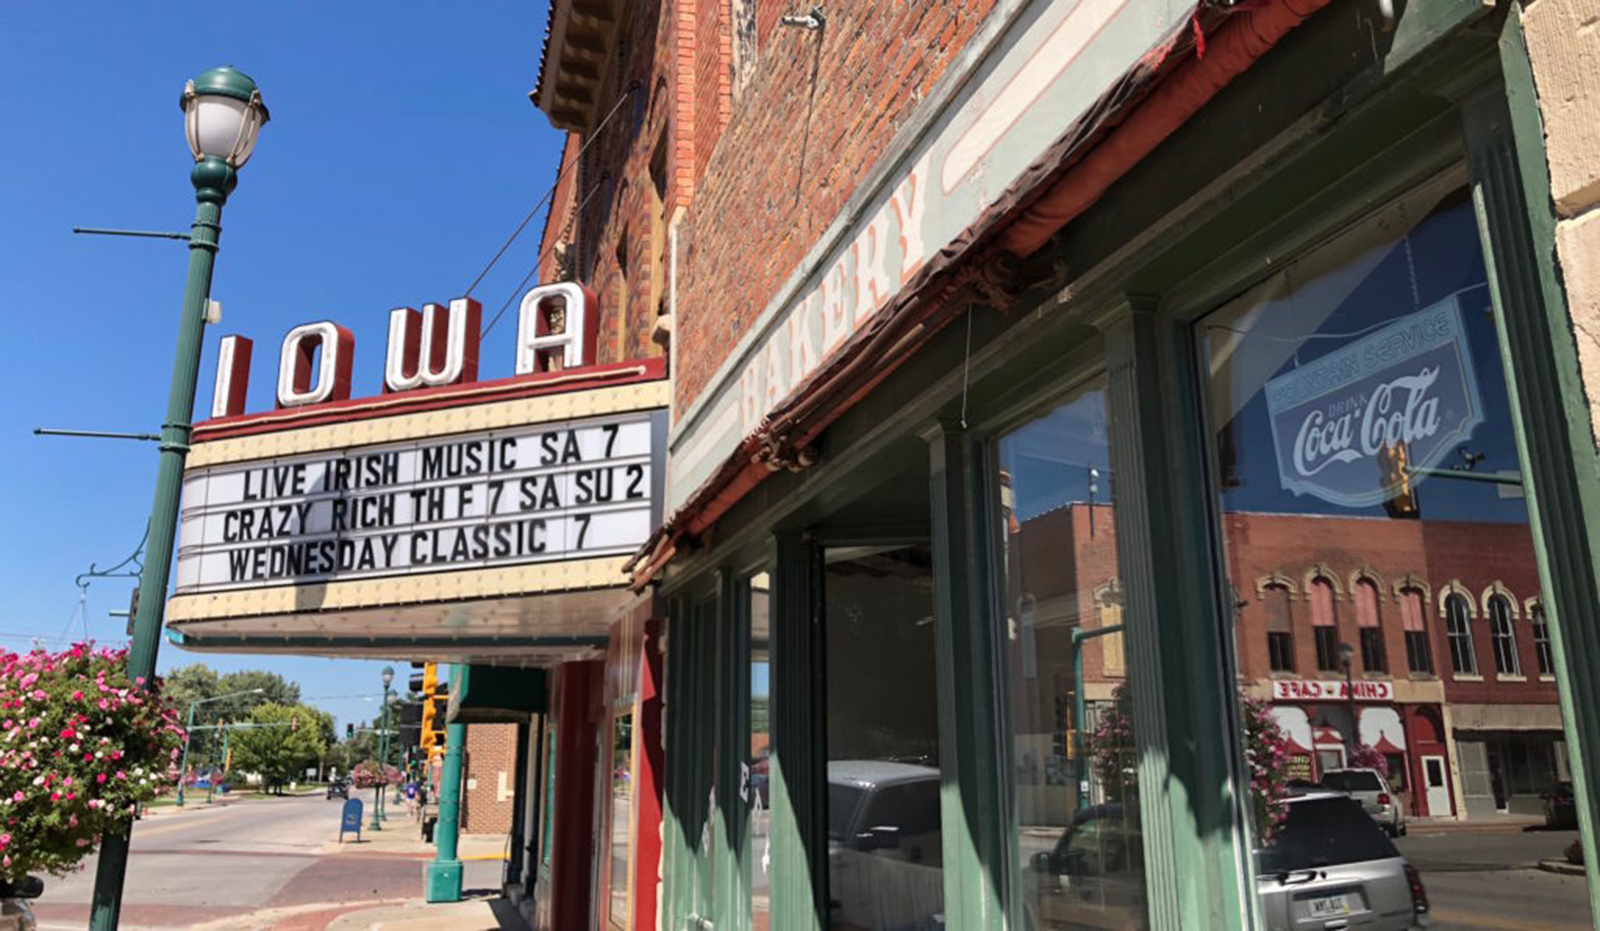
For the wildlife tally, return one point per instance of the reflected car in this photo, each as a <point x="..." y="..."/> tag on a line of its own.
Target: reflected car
<point x="885" y="861"/>
<point x="1093" y="876"/>
<point x="1328" y="866"/>
<point x="1560" y="808"/>
<point x="1371" y="789"/>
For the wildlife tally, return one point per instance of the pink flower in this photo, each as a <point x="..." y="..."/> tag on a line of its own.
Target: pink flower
<point x="83" y="842"/>
<point x="55" y="796"/>
<point x="17" y="796"/>
<point x="100" y="778"/>
<point x="77" y="696"/>
<point x="121" y="774"/>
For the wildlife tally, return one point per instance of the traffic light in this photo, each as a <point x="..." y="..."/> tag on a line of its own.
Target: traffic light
<point x="349" y="731"/>
<point x="1394" y="466"/>
<point x="432" y="720"/>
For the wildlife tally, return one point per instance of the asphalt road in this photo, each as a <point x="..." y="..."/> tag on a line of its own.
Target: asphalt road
<point x="1488" y="878"/>
<point x="227" y="862"/>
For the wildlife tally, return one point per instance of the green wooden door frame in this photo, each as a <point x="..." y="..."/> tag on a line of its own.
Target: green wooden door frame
<point x="972" y="744"/>
<point x="797" y="769"/>
<point x="1555" y="436"/>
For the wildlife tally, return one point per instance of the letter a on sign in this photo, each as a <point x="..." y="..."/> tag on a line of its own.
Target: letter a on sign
<point x="296" y="387"/>
<point x="557" y="327"/>
<point x="433" y="348"/>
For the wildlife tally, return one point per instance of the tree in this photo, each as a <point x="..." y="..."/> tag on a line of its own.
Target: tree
<point x="283" y="743"/>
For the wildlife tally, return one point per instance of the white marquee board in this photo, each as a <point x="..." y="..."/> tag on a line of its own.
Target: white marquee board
<point x="537" y="493"/>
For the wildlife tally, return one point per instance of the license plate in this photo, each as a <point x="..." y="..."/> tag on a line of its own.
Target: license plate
<point x="1329" y="906"/>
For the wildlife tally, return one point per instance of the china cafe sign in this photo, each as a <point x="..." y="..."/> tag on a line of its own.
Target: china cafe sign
<point x="557" y="325"/>
<point x="1330" y="690"/>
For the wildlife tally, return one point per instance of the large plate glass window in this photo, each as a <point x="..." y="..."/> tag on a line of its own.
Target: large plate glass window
<point x="885" y="863"/>
<point x="621" y="796"/>
<point x="1073" y="771"/>
<point x="1388" y="611"/>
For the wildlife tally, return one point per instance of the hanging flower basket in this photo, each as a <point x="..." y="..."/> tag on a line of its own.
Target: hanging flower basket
<point x="81" y="748"/>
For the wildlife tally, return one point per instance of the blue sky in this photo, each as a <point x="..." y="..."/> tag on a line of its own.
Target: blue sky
<point x="402" y="151"/>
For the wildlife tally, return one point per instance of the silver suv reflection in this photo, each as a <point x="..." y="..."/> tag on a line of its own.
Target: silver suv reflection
<point x="1329" y="867"/>
<point x="1368" y="787"/>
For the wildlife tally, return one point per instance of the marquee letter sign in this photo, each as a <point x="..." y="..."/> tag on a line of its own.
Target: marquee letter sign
<point x="437" y="347"/>
<point x="541" y="346"/>
<point x="557" y="329"/>
<point x="536" y="493"/>
<point x="1410" y="384"/>
<point x="233" y="376"/>
<point x="296" y="387"/>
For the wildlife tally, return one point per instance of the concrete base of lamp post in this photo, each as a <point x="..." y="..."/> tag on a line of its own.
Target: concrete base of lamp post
<point x="441" y="881"/>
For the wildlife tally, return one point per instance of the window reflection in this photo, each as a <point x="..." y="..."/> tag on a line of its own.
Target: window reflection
<point x="885" y="862"/>
<point x="1073" y="772"/>
<point x="757" y="773"/>
<point x="621" y="816"/>
<point x="1364" y="448"/>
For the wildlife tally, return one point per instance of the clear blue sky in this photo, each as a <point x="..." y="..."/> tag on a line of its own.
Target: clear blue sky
<point x="402" y="151"/>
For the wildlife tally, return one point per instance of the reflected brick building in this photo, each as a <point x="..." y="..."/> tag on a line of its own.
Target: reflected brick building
<point x="1450" y="656"/>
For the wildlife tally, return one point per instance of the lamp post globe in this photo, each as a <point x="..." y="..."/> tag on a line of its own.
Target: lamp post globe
<point x="1347" y="654"/>
<point x="388" y="676"/>
<point x="222" y="117"/>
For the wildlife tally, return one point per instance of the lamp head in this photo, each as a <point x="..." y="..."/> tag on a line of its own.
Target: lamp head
<point x="1346" y="654"/>
<point x="222" y="116"/>
<point x="388" y="675"/>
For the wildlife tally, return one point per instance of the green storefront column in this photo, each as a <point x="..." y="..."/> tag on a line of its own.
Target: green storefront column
<point x="1549" y="401"/>
<point x="797" y="768"/>
<point x="442" y="881"/>
<point x="1184" y="713"/>
<point x="974" y="827"/>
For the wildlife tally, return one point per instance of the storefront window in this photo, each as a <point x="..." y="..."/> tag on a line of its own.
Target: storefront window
<point x="757" y="772"/>
<point x="1073" y="772"/>
<point x="885" y="861"/>
<point x="1363" y="442"/>
<point x="621" y="815"/>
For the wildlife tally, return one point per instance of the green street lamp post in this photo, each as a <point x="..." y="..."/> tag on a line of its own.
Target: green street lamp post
<point x="183" y="768"/>
<point x="1080" y="749"/>
<point x="383" y="751"/>
<point x="223" y="115"/>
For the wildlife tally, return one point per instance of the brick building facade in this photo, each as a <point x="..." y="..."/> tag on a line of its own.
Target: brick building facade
<point x="489" y="765"/>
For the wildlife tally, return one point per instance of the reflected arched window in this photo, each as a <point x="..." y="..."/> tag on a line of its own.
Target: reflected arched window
<point x="1324" y="626"/>
<point x="1280" y="629"/>
<point x="1419" y="654"/>
<point x="1458" y="627"/>
<point x="1504" y="636"/>
<point x="1541" y="640"/>
<point x="1373" y="658"/>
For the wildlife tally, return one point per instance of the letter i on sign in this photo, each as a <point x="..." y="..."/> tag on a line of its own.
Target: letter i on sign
<point x="233" y="376"/>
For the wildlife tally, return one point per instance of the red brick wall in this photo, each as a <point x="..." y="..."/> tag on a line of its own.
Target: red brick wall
<point x="792" y="153"/>
<point x="491" y="756"/>
<point x="1433" y="552"/>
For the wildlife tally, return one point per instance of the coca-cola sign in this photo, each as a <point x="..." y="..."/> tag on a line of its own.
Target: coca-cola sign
<point x="1409" y="384"/>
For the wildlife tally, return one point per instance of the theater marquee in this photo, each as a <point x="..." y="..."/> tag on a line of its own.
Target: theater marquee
<point x="550" y="491"/>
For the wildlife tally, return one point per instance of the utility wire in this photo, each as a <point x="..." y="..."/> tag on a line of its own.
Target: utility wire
<point x="536" y="263"/>
<point x="561" y="173"/>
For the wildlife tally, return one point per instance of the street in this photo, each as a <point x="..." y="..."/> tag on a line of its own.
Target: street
<point x="263" y="863"/>
<point x="1489" y="878"/>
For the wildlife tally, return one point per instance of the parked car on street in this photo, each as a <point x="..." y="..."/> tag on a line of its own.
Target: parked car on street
<point x="1560" y="808"/>
<point x="15" y="913"/>
<point x="338" y="788"/>
<point x="884" y="855"/>
<point x="1371" y="789"/>
<point x="1328" y="866"/>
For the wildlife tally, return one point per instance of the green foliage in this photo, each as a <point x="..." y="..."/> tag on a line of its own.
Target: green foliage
<point x="284" y="741"/>
<point x="80" y="748"/>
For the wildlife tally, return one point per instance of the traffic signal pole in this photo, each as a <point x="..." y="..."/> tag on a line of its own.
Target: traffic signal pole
<point x="442" y="882"/>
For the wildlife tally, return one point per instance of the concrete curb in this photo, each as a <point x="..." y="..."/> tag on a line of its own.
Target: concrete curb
<point x="1562" y="867"/>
